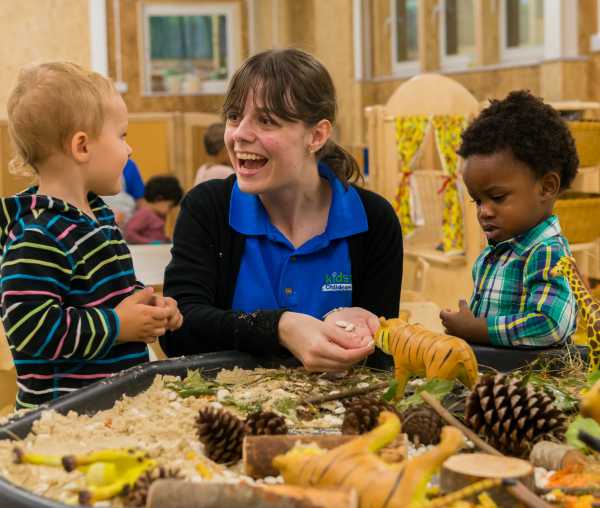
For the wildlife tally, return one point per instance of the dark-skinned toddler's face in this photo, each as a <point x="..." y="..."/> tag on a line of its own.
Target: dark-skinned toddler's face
<point x="510" y="198"/>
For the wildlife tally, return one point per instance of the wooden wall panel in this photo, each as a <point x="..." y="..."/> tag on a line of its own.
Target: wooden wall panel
<point x="151" y="139"/>
<point x="381" y="48"/>
<point x="487" y="37"/>
<point x="429" y="45"/>
<point x="41" y="30"/>
<point x="334" y="37"/>
<point x="486" y="84"/>
<point x="565" y="80"/>
<point x="594" y="76"/>
<point x="299" y="17"/>
<point x="586" y="21"/>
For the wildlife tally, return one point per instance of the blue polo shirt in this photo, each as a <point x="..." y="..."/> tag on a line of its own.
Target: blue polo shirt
<point x="313" y="278"/>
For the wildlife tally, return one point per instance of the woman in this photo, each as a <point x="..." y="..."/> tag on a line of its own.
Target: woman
<point x="272" y="258"/>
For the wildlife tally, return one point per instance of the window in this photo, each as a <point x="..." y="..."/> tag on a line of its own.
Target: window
<point x="457" y="33"/>
<point x="405" y="46"/>
<point x="522" y="29"/>
<point x="189" y="50"/>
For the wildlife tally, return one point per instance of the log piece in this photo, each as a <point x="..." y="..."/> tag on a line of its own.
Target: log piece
<point x="180" y="494"/>
<point x="466" y="468"/>
<point x="258" y="451"/>
<point x="519" y="491"/>
<point x="555" y="456"/>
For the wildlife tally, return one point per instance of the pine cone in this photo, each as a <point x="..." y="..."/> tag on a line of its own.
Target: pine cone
<point x="222" y="434"/>
<point x="422" y="425"/>
<point x="512" y="417"/>
<point x="139" y="492"/>
<point x="263" y="423"/>
<point x="362" y="413"/>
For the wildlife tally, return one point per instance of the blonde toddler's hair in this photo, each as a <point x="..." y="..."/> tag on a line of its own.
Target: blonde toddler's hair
<point x="49" y="104"/>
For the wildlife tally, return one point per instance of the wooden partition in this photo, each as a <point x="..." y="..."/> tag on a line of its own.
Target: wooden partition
<point x="156" y="140"/>
<point x="448" y="275"/>
<point x="194" y="127"/>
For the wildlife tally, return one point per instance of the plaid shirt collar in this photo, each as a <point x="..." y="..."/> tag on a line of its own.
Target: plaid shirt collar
<point x="522" y="243"/>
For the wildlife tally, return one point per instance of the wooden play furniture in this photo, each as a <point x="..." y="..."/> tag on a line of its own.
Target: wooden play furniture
<point x="448" y="275"/>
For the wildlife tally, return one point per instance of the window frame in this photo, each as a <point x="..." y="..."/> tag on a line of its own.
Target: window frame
<point x="518" y="54"/>
<point x="230" y="10"/>
<point x="451" y="62"/>
<point x="408" y="67"/>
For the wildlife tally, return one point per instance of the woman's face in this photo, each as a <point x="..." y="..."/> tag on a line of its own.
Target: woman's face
<point x="267" y="153"/>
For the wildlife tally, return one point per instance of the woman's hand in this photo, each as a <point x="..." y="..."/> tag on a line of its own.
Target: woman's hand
<point x="365" y="322"/>
<point x="319" y="345"/>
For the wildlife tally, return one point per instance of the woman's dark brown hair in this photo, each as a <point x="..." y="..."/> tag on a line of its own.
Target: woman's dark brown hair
<point x="293" y="86"/>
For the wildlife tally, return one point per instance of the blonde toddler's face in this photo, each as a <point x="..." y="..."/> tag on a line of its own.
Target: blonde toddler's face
<point x="110" y="151"/>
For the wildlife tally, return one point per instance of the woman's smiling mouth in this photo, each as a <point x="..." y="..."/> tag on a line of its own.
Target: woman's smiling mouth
<point x="249" y="163"/>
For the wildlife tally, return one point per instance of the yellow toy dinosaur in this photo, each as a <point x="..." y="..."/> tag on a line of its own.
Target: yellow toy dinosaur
<point x="355" y="465"/>
<point x="422" y="352"/>
<point x="108" y="473"/>
<point x="590" y="403"/>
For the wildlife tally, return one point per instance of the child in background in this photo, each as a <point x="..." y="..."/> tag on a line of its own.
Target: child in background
<point x="519" y="155"/>
<point x="131" y="196"/>
<point x="147" y="225"/>
<point x="214" y="144"/>
<point x="71" y="306"/>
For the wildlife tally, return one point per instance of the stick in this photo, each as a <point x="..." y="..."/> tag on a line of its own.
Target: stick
<point x="343" y="395"/>
<point x="469" y="434"/>
<point x="180" y="494"/>
<point x="518" y="490"/>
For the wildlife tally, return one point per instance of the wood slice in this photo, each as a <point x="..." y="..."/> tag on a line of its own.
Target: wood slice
<point x="258" y="451"/>
<point x="180" y="494"/>
<point x="465" y="468"/>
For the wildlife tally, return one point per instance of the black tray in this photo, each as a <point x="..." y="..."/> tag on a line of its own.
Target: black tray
<point x="103" y="394"/>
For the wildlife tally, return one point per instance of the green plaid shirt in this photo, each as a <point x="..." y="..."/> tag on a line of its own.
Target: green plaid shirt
<point x="524" y="305"/>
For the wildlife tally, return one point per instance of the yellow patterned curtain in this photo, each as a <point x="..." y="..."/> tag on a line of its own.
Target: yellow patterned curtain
<point x="447" y="135"/>
<point x="410" y="131"/>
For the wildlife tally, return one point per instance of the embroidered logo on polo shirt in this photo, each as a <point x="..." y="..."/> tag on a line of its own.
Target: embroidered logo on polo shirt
<point x="337" y="281"/>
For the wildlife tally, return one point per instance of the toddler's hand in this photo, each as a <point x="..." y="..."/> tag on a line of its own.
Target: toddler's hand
<point x="457" y="323"/>
<point x="175" y="319"/>
<point x="140" y="321"/>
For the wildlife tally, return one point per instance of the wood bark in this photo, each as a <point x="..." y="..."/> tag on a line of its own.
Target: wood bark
<point x="180" y="494"/>
<point x="258" y="451"/>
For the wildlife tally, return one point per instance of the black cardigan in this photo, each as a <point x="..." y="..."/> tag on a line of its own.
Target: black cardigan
<point x="206" y="259"/>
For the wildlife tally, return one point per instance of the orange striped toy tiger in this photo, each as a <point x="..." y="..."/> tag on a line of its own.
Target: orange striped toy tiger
<point x="421" y="352"/>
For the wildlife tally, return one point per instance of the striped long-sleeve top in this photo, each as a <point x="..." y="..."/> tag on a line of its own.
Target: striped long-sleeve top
<point x="62" y="275"/>
<point x="523" y="304"/>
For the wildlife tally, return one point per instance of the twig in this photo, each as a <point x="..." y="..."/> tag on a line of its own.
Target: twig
<point x="343" y="395"/>
<point x="441" y="410"/>
<point x="519" y="491"/>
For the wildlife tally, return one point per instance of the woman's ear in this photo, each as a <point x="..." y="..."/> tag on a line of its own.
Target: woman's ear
<point x="321" y="132"/>
<point x="80" y="149"/>
<point x="550" y="185"/>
